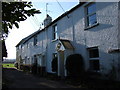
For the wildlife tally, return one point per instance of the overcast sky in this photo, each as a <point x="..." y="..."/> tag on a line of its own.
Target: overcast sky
<point x="32" y="24"/>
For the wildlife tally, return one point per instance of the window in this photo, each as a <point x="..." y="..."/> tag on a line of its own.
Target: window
<point x="91" y="15"/>
<point x="35" y="59"/>
<point x="94" y="65"/>
<point x="35" y="40"/>
<point x="55" y="32"/>
<point x="93" y="53"/>
<point x="54" y="55"/>
<point x="22" y="47"/>
<point x="94" y="59"/>
<point x="26" y="60"/>
<point x="27" y="45"/>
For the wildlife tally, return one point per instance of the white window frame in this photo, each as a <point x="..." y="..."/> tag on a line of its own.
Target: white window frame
<point x="93" y="58"/>
<point x="88" y="15"/>
<point x="27" y="44"/>
<point x="55" y="32"/>
<point x="35" y="40"/>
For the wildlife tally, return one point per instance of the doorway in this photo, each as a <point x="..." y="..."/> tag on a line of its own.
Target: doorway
<point x="61" y="67"/>
<point x="35" y="64"/>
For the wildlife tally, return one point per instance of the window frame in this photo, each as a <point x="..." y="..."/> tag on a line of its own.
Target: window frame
<point x="55" y="32"/>
<point x="35" y="40"/>
<point x="27" y="44"/>
<point x="87" y="15"/>
<point x="93" y="59"/>
<point x="92" y="65"/>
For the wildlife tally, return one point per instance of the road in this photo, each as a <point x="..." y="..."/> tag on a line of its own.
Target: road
<point x="20" y="79"/>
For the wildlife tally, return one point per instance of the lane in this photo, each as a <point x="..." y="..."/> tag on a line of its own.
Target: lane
<point x="19" y="79"/>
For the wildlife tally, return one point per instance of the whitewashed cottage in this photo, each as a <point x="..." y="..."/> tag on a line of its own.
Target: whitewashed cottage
<point x="91" y="29"/>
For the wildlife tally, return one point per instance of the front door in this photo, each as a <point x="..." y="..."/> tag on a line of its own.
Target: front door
<point x="61" y="64"/>
<point x="35" y="64"/>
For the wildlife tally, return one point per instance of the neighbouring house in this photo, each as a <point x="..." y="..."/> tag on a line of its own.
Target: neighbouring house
<point x="12" y="61"/>
<point x="90" y="29"/>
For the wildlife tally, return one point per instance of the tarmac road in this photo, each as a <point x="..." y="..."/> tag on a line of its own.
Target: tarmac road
<point x="19" y="79"/>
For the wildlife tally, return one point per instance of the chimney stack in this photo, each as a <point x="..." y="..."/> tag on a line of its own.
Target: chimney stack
<point x="47" y="20"/>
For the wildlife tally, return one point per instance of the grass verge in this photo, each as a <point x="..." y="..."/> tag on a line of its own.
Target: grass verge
<point x="8" y="65"/>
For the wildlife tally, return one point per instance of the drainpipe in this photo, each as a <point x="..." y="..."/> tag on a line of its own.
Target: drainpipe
<point x="73" y="28"/>
<point x="118" y="39"/>
<point x="46" y="50"/>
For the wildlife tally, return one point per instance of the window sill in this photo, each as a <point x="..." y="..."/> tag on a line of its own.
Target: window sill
<point x="54" y="40"/>
<point x="89" y="27"/>
<point x="94" y="71"/>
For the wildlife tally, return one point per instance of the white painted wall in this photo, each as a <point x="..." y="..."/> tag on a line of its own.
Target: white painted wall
<point x="105" y="36"/>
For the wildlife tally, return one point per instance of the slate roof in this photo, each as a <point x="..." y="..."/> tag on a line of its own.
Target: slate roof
<point x="67" y="44"/>
<point x="63" y="15"/>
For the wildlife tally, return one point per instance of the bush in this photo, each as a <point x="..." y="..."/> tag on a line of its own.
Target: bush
<point x="74" y="65"/>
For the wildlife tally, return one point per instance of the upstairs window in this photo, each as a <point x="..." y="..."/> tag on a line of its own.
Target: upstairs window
<point x="35" y="40"/>
<point x="27" y="45"/>
<point x="55" y="32"/>
<point x="22" y="48"/>
<point x="91" y="15"/>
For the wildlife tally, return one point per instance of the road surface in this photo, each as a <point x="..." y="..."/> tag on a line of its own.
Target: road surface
<point x="20" y="79"/>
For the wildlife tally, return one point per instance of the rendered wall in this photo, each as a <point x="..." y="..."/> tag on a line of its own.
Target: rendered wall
<point x="105" y="35"/>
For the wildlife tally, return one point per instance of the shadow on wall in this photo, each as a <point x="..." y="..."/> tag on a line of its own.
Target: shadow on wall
<point x="102" y="27"/>
<point x="107" y="63"/>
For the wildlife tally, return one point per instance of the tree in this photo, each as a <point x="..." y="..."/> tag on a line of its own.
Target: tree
<point x="14" y="12"/>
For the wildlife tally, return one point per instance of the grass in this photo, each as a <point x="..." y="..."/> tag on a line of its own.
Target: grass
<point x="8" y="65"/>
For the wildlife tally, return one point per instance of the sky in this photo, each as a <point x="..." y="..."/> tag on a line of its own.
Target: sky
<point x="33" y="24"/>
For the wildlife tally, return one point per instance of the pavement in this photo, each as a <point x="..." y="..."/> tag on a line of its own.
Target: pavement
<point x="19" y="79"/>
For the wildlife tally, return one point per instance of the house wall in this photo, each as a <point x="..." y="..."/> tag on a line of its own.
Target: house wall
<point x="18" y="53"/>
<point x="119" y="24"/>
<point x="50" y="51"/>
<point x="29" y="49"/>
<point x="104" y="35"/>
<point x="119" y="40"/>
<point x="72" y="27"/>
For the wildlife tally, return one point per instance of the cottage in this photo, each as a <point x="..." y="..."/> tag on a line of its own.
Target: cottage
<point x="90" y="29"/>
